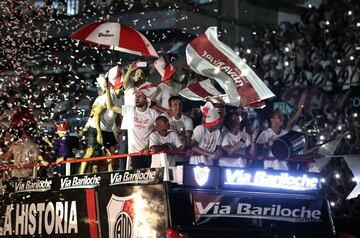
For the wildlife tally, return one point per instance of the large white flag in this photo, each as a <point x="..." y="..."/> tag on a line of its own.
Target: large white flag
<point x="208" y="56"/>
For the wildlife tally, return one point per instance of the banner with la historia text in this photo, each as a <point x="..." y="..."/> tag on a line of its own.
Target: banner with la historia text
<point x="46" y="214"/>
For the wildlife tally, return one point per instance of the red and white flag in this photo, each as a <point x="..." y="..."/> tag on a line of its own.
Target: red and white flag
<point x="165" y="69"/>
<point x="208" y="56"/>
<point x="115" y="76"/>
<point x="203" y="90"/>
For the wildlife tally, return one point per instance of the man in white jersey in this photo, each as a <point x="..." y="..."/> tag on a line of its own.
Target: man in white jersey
<point x="101" y="124"/>
<point x="267" y="137"/>
<point x="206" y="138"/>
<point x="140" y="119"/>
<point x="180" y="123"/>
<point x="164" y="139"/>
<point x="166" y="87"/>
<point x="129" y="84"/>
<point x="236" y="142"/>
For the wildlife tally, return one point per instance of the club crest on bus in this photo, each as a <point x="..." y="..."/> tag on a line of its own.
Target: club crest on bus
<point x="120" y="212"/>
<point x="201" y="175"/>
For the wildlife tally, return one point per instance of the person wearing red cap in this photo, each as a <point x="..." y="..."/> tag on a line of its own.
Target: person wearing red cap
<point x="166" y="87"/>
<point x="101" y="124"/>
<point x="206" y="138"/>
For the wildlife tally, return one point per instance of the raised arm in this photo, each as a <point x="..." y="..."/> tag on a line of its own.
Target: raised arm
<point x="296" y="115"/>
<point x="126" y="79"/>
<point x="158" y="108"/>
<point x="109" y="103"/>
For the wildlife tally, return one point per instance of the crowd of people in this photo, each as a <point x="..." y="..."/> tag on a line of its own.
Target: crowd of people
<point x="51" y="119"/>
<point x="132" y="115"/>
<point x="320" y="51"/>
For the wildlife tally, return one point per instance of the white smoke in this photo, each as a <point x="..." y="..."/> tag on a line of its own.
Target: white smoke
<point x="149" y="215"/>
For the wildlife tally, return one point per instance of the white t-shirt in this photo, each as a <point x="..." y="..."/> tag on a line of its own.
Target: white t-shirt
<point x="171" y="138"/>
<point x="229" y="139"/>
<point x="165" y="92"/>
<point x="107" y="117"/>
<point x="206" y="141"/>
<point x="140" y="126"/>
<point x="264" y="138"/>
<point x="157" y="139"/>
<point x="184" y="123"/>
<point x="129" y="99"/>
